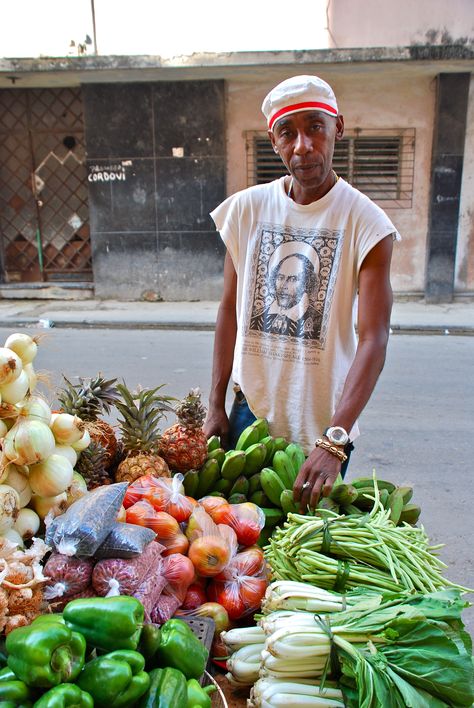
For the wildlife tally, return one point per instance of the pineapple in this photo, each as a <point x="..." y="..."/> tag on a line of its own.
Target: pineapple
<point x="89" y="399"/>
<point x="141" y="413"/>
<point x="184" y="445"/>
<point x="92" y="465"/>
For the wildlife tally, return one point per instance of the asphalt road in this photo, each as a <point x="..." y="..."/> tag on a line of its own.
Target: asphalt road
<point x="416" y="429"/>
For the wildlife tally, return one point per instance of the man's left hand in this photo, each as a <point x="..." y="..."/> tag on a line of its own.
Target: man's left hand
<point x="316" y="478"/>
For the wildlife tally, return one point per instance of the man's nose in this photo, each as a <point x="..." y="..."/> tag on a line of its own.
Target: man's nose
<point x="303" y="143"/>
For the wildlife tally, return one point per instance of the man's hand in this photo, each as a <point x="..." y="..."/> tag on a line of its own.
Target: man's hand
<point x="316" y="478"/>
<point x="217" y="423"/>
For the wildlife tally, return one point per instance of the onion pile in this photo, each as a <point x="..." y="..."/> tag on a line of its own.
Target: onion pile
<point x="38" y="448"/>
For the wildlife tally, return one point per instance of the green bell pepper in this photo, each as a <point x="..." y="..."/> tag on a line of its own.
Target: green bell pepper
<point x="66" y="695"/>
<point x="181" y="649"/>
<point x="107" y="623"/>
<point x="15" y="691"/>
<point x="116" y="679"/>
<point x="150" y="640"/>
<point x="6" y="674"/>
<point x="168" y="689"/>
<point x="198" y="696"/>
<point x="45" y="654"/>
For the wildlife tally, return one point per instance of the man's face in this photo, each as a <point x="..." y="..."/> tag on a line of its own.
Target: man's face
<point x="305" y="143"/>
<point x="290" y="283"/>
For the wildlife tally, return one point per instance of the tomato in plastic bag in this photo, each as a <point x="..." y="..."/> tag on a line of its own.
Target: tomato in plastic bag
<point x="170" y="498"/>
<point x="143" y="488"/>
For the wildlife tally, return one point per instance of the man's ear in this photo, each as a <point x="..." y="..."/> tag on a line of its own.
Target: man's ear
<point x="272" y="139"/>
<point x="339" y="127"/>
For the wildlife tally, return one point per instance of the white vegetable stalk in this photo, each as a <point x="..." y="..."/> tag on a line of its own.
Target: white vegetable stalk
<point x="244" y="664"/>
<point x="9" y="507"/>
<point x="83" y="442"/>
<point x="23" y="345"/>
<point x="291" y="595"/>
<point x="51" y="476"/>
<point x="27" y="523"/>
<point x="277" y="692"/>
<point x="28" y="441"/>
<point x="67" y="429"/>
<point x="10" y="366"/>
<point x="239" y="637"/>
<point x="15" y="391"/>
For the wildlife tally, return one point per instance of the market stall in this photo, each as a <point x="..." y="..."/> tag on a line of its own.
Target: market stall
<point x="144" y="565"/>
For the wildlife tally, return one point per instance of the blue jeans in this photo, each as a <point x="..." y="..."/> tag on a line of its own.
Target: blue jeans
<point x="241" y="416"/>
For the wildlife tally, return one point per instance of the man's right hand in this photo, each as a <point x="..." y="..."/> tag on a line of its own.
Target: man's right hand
<point x="217" y="423"/>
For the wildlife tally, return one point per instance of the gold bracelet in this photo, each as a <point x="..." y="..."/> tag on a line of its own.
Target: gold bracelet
<point x="331" y="448"/>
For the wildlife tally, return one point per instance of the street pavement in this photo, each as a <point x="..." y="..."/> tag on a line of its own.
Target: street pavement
<point x="407" y="316"/>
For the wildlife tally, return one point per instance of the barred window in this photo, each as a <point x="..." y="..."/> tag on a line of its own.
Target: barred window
<point x="379" y="163"/>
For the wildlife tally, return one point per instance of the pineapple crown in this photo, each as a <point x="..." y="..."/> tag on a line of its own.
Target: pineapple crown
<point x="141" y="413"/>
<point x="89" y="398"/>
<point x="191" y="412"/>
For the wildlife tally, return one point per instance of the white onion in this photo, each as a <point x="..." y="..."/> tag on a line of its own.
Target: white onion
<point x="15" y="391"/>
<point x="14" y="537"/>
<point x="66" y="451"/>
<point x="77" y="488"/>
<point x="10" y="366"/>
<point x="35" y="407"/>
<point x="43" y="505"/>
<point x="20" y="482"/>
<point x="84" y="442"/>
<point x="22" y="344"/>
<point x="9" y="507"/>
<point x="67" y="428"/>
<point x="3" y="428"/>
<point x="28" y="442"/>
<point x="51" y="477"/>
<point x="32" y="377"/>
<point x="27" y="523"/>
<point x="6" y="467"/>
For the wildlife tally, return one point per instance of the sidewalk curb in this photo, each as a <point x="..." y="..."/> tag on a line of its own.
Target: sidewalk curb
<point x="176" y="325"/>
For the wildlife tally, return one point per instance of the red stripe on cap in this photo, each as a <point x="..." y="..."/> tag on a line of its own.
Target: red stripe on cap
<point x="301" y="107"/>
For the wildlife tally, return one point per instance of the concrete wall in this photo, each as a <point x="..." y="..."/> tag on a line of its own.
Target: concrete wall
<point x="384" y="23"/>
<point x="464" y="274"/>
<point x="156" y="167"/>
<point x="368" y="98"/>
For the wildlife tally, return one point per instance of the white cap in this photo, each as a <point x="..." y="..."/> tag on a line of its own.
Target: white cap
<point x="299" y="93"/>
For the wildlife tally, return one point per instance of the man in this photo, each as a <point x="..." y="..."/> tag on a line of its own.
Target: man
<point x="311" y="388"/>
<point x="293" y="284"/>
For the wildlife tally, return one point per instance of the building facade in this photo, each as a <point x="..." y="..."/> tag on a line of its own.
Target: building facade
<point x="109" y="166"/>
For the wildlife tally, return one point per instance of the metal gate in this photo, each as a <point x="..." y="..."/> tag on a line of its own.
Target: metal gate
<point x="44" y="214"/>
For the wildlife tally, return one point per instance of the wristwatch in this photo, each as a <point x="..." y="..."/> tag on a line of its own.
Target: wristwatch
<point x="337" y="435"/>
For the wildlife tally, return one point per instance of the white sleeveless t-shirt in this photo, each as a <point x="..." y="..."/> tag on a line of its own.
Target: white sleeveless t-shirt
<point x="297" y="270"/>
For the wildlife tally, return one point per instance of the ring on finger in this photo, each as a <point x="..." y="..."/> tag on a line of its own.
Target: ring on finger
<point x="306" y="485"/>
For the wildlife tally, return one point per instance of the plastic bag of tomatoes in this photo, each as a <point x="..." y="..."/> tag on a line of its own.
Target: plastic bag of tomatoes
<point x="241" y="586"/>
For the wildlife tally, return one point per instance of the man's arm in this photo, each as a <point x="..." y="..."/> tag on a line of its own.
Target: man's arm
<point x="373" y="318"/>
<point x="217" y="422"/>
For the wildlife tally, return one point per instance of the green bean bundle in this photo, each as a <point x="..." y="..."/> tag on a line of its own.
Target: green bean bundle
<point x="343" y="552"/>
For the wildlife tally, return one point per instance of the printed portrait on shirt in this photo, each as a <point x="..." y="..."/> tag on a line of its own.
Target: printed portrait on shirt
<point x="292" y="271"/>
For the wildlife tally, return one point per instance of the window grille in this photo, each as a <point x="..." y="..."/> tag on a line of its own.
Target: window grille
<point x="379" y="163"/>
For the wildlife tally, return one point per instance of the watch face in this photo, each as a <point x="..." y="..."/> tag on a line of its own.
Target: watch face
<point x="338" y="436"/>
